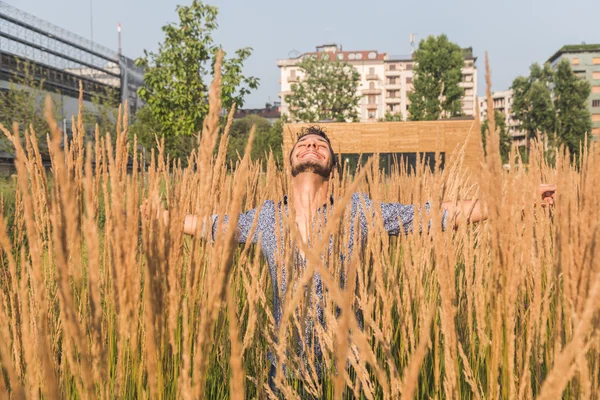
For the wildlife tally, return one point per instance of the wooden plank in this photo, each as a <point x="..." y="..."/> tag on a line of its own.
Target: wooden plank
<point x="400" y="137"/>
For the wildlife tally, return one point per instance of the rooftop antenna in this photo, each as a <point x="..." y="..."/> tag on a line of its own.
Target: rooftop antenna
<point x="92" y="22"/>
<point x="119" y="31"/>
<point x="412" y="43"/>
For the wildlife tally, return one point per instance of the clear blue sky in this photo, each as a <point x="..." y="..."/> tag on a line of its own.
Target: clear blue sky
<point x="516" y="33"/>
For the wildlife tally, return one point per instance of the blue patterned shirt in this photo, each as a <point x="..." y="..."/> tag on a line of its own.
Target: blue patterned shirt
<point x="396" y="218"/>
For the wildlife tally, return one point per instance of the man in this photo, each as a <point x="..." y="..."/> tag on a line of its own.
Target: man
<point x="312" y="162"/>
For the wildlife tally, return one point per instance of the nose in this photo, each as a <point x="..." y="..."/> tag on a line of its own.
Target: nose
<point x="311" y="142"/>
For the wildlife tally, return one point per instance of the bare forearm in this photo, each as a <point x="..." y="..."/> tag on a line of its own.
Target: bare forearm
<point x="189" y="224"/>
<point x="469" y="211"/>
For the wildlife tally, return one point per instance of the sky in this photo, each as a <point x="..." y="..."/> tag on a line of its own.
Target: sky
<point x="515" y="33"/>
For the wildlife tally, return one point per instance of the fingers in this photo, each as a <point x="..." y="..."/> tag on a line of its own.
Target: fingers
<point x="547" y="201"/>
<point x="547" y="192"/>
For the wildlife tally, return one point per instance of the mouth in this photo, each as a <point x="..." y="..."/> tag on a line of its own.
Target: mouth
<point x="310" y="154"/>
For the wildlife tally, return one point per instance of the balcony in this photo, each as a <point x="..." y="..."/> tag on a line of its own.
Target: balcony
<point x="372" y="106"/>
<point x="367" y="92"/>
<point x="291" y="79"/>
<point x="392" y="100"/>
<point x="393" y="86"/>
<point x="393" y="73"/>
<point x="372" y="77"/>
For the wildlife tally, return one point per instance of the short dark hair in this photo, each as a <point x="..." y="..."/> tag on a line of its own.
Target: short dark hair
<point x="319" y="131"/>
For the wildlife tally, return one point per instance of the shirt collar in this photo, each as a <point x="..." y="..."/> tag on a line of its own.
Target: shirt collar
<point x="285" y="200"/>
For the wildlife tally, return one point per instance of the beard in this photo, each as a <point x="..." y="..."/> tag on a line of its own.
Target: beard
<point x="311" y="166"/>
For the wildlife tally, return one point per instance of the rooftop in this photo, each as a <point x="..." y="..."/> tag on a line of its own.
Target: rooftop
<point x="269" y="112"/>
<point x="575" y="48"/>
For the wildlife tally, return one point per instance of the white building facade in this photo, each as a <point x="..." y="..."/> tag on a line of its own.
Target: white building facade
<point x="503" y="103"/>
<point x="385" y="81"/>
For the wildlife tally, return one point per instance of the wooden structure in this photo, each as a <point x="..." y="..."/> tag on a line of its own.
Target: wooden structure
<point x="446" y="136"/>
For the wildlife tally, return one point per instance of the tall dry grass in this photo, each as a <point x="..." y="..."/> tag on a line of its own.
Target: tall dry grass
<point x="93" y="305"/>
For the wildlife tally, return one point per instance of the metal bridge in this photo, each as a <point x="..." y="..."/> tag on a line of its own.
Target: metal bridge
<point x="61" y="59"/>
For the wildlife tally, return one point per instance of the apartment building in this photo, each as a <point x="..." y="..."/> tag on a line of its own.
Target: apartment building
<point x="503" y="103"/>
<point x="585" y="62"/>
<point x="385" y="80"/>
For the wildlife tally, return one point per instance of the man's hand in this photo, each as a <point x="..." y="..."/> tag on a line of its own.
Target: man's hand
<point x="547" y="193"/>
<point x="145" y="209"/>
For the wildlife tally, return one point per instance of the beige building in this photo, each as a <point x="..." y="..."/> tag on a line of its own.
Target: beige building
<point x="385" y="81"/>
<point x="503" y="102"/>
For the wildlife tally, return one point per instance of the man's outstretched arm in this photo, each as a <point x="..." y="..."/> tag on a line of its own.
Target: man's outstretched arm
<point x="191" y="221"/>
<point x="471" y="211"/>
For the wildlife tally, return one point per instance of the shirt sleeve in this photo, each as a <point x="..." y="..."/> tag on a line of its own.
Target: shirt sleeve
<point x="398" y="217"/>
<point x="244" y="226"/>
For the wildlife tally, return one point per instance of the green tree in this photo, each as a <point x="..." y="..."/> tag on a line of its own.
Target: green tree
<point x="147" y="130"/>
<point x="391" y="117"/>
<point x="327" y="91"/>
<point x="267" y="138"/>
<point x="505" y="138"/>
<point x="573" y="119"/>
<point x="438" y="73"/>
<point x="174" y="80"/>
<point x="532" y="103"/>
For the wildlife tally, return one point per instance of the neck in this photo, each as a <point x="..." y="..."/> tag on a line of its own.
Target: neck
<point x="309" y="192"/>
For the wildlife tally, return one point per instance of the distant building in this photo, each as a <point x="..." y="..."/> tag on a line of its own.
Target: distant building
<point x="271" y="112"/>
<point x="585" y="62"/>
<point x="385" y="81"/>
<point x="60" y="60"/>
<point x="503" y="103"/>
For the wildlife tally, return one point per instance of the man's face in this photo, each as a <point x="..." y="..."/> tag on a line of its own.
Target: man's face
<point x="311" y="154"/>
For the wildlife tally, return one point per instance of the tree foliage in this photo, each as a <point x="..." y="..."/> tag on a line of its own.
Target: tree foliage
<point x="573" y="119"/>
<point x="532" y="102"/>
<point x="326" y="91"/>
<point x="504" y="136"/>
<point x="177" y="77"/>
<point x="267" y="138"/>
<point x="552" y="103"/>
<point x="391" y="117"/>
<point x="437" y="75"/>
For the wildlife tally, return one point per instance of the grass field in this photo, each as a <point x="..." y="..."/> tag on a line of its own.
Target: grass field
<point x="98" y="301"/>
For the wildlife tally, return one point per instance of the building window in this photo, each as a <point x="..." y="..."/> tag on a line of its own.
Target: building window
<point x="409" y="67"/>
<point x="392" y="67"/>
<point x="595" y="103"/>
<point x="575" y="61"/>
<point x="371" y="71"/>
<point x="469" y="92"/>
<point x="372" y="99"/>
<point x="596" y="89"/>
<point x="409" y="80"/>
<point x="468" y="78"/>
<point x="596" y="60"/>
<point x="596" y="75"/>
<point x="595" y="117"/>
<point x="292" y="73"/>
<point x="371" y="85"/>
<point x="392" y="80"/>
<point x="372" y="114"/>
